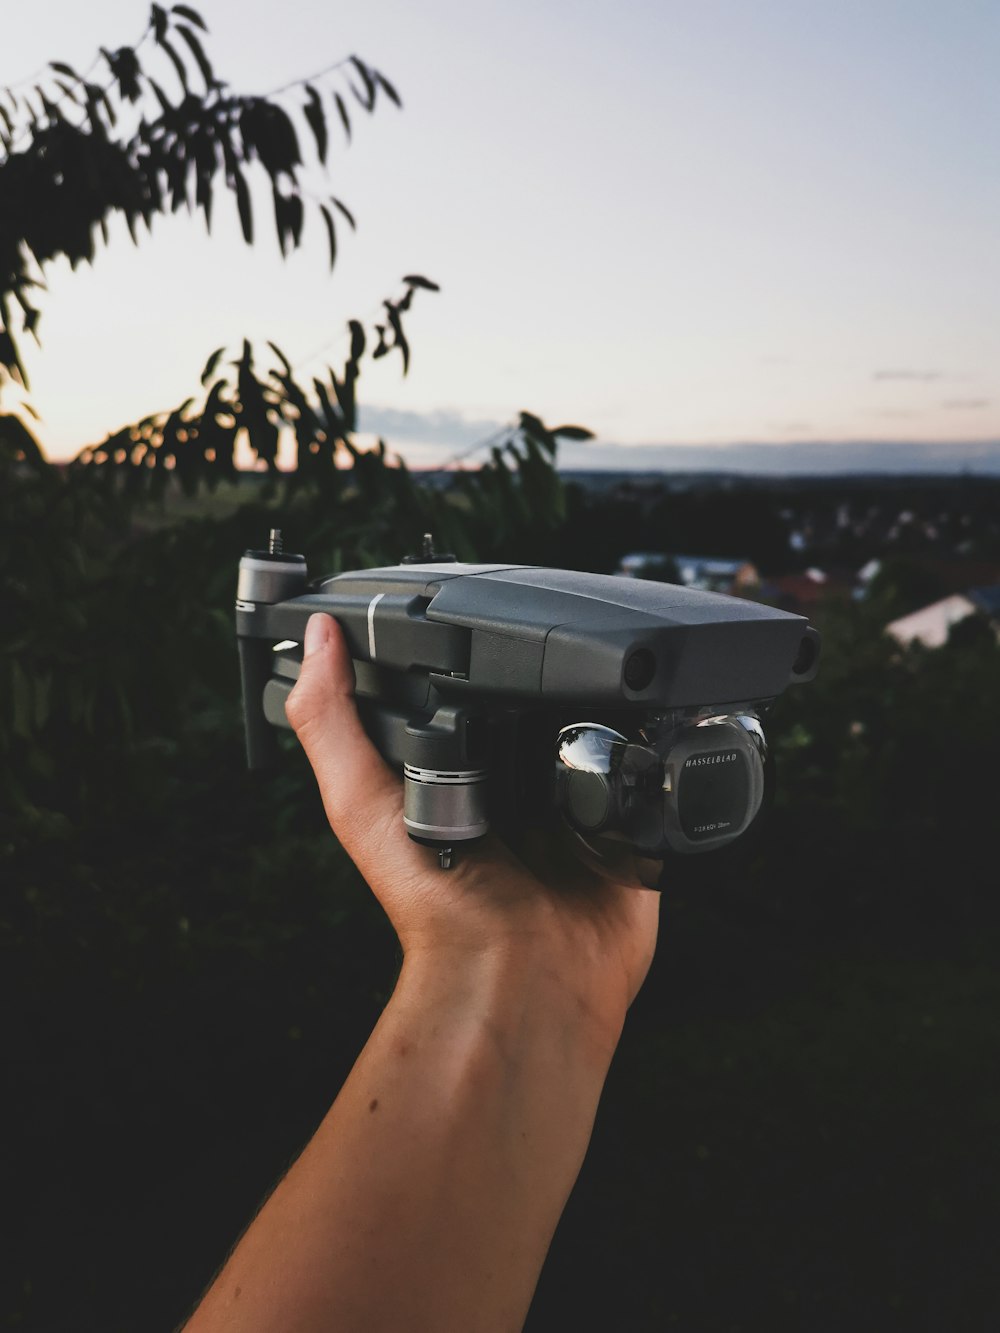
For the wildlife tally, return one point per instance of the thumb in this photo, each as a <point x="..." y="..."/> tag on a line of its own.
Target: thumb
<point x="359" y="790"/>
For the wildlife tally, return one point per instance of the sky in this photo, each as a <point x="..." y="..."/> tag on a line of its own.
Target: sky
<point x="675" y="223"/>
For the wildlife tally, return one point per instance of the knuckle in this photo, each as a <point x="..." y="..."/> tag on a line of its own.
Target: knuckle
<point x="306" y="706"/>
<point x="297" y="708"/>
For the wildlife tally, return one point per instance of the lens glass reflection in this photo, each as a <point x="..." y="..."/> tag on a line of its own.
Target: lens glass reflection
<point x="684" y="783"/>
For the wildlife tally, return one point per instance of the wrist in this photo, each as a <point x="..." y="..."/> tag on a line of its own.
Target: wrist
<point x="519" y="994"/>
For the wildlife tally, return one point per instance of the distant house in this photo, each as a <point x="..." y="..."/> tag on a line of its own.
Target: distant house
<point x="705" y="572"/>
<point x="800" y="593"/>
<point x="932" y="624"/>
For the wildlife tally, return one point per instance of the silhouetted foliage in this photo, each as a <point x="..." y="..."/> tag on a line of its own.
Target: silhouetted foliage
<point x="198" y="440"/>
<point x="148" y="130"/>
<point x="194" y="964"/>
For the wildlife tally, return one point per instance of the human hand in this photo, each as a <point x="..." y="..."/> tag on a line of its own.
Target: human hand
<point x="592" y="938"/>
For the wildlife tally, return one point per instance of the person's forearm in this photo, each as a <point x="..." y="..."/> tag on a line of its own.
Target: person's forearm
<point x="428" y="1196"/>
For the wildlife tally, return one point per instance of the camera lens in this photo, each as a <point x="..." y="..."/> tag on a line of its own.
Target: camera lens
<point x="589" y="800"/>
<point x="640" y="669"/>
<point x="806" y="658"/>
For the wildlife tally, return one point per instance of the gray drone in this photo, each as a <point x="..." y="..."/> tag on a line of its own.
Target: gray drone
<point x="512" y="695"/>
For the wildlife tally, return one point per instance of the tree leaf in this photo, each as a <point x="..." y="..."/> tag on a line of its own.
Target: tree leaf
<point x="286" y="364"/>
<point x="357" y="340"/>
<point x="415" y="280"/>
<point x="51" y="110"/>
<point x="177" y="63"/>
<point x="201" y="59"/>
<point x="191" y="15"/>
<point x="295" y="214"/>
<point x="288" y="217"/>
<point x="342" y="208"/>
<point x="313" y="111"/>
<point x="66" y="70"/>
<point x="400" y="337"/>
<point x="333" y="421"/>
<point x="268" y="131"/>
<point x="344" y="117"/>
<point x="574" y="432"/>
<point x="331" y="233"/>
<point x="243" y="204"/>
<point x="211" y="364"/>
<point x="535" y="431"/>
<point x="345" y="397"/>
<point x="280" y="218"/>
<point x="158" y="18"/>
<point x="205" y="165"/>
<point x="124" y="65"/>
<point x="10" y="356"/>
<point x="368" y="101"/>
<point x="166" y="106"/>
<point x="388" y="89"/>
<point x="66" y="91"/>
<point x="264" y="437"/>
<point x="96" y="99"/>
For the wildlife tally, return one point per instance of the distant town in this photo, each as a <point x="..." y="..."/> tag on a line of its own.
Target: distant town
<point x="798" y="542"/>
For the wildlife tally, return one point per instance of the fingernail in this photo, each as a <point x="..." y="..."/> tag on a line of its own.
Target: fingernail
<point x="317" y="633"/>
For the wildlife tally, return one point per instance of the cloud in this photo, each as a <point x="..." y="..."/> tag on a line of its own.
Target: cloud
<point x="432" y="439"/>
<point x="915" y="376"/>
<point x="819" y="458"/>
<point x="443" y="428"/>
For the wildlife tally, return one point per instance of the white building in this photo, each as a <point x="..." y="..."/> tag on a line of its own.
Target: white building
<point x="932" y="624"/>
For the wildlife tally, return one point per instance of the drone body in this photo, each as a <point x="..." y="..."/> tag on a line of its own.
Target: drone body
<point x="507" y="694"/>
